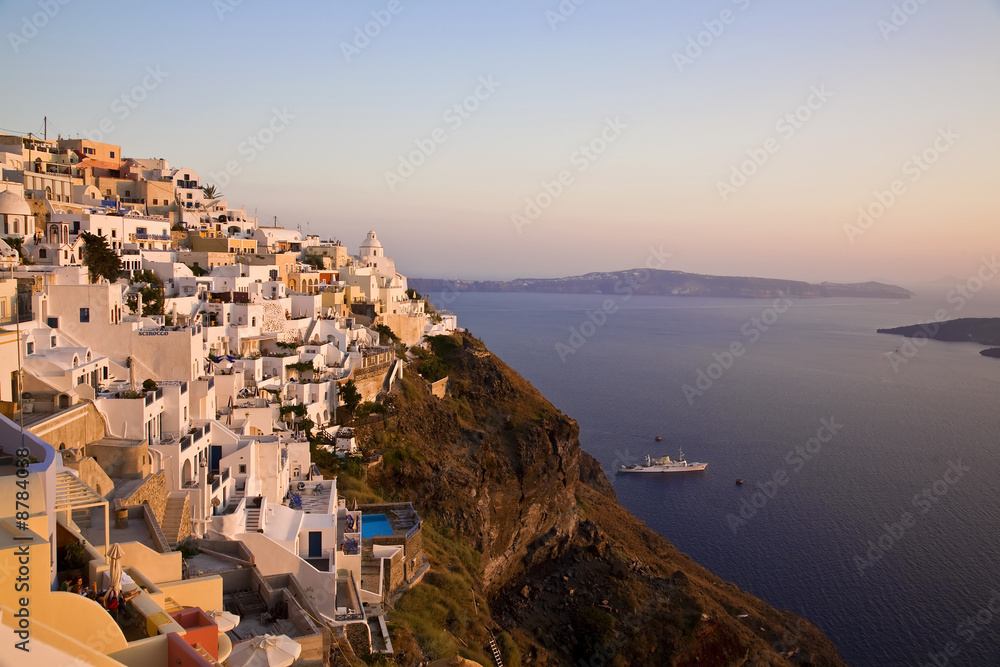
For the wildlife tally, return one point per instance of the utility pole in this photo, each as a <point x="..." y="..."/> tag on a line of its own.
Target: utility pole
<point x="46" y="128"/>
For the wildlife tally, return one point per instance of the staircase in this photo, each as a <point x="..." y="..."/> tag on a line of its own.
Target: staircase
<point x="82" y="519"/>
<point x="172" y="516"/>
<point x="206" y="655"/>
<point x="496" y="651"/>
<point x="253" y="519"/>
<point x="235" y="499"/>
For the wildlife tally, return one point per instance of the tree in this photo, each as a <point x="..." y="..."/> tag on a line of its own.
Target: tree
<point x="17" y="243"/>
<point x="149" y="384"/>
<point x="350" y="396"/>
<point x="101" y="261"/>
<point x="413" y="295"/>
<point x="153" y="296"/>
<point x="385" y="334"/>
<point x="211" y="192"/>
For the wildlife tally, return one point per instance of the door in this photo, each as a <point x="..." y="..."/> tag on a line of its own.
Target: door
<point x="315" y="544"/>
<point x="214" y="456"/>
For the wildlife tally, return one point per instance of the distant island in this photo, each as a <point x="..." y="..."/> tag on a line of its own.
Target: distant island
<point x="981" y="330"/>
<point x="655" y="282"/>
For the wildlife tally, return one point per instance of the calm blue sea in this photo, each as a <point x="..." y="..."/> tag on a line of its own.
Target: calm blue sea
<point x="849" y="540"/>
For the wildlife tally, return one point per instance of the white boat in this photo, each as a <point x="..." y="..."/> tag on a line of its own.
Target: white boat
<point x="664" y="464"/>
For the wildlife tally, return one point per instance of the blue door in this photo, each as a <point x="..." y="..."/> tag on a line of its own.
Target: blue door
<point x="214" y="456"/>
<point x="315" y="544"/>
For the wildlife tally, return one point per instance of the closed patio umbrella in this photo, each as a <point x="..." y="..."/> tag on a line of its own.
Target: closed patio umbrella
<point x="115" y="555"/>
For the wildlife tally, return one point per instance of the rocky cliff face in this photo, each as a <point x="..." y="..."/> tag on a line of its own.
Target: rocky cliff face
<point x="572" y="576"/>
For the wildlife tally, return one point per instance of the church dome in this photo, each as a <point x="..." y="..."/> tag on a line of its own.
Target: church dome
<point x="371" y="241"/>
<point x="12" y="204"/>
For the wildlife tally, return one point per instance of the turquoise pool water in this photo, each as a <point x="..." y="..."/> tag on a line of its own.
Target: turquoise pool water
<point x="373" y="525"/>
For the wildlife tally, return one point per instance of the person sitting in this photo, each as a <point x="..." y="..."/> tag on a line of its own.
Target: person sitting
<point x="66" y="585"/>
<point x="78" y="587"/>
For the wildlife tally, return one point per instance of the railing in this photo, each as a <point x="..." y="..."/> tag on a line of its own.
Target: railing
<point x="225" y="475"/>
<point x="185" y="443"/>
<point x="215" y="484"/>
<point x="153" y="396"/>
<point x="152" y="237"/>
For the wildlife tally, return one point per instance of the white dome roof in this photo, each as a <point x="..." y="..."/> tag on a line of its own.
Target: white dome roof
<point x="12" y="204"/>
<point x="371" y="241"/>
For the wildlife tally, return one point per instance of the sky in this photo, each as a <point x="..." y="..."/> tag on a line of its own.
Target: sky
<point x="842" y="140"/>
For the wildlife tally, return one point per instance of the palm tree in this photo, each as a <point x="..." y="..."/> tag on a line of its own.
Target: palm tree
<point x="211" y="192"/>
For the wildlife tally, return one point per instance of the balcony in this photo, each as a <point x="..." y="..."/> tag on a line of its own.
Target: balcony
<point x="140" y="236"/>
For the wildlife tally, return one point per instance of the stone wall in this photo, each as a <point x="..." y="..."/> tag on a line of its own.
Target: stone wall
<point x="73" y="428"/>
<point x="413" y="553"/>
<point x="184" y="530"/>
<point x="274" y="317"/>
<point x="370" y="381"/>
<point x="409" y="328"/>
<point x="93" y="475"/>
<point x="439" y="388"/>
<point x="120" y="460"/>
<point x="153" y="491"/>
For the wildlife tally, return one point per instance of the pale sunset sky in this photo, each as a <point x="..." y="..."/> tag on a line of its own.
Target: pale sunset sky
<point x="685" y="107"/>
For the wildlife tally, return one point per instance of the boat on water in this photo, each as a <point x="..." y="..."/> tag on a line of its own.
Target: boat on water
<point x="664" y="464"/>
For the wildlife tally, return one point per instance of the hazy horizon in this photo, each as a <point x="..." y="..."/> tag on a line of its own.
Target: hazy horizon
<point x="873" y="84"/>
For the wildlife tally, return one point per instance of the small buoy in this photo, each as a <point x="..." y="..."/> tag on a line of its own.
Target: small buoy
<point x="739" y="481"/>
<point x="659" y="437"/>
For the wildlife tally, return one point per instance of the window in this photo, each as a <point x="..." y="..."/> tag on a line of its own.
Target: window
<point x="31" y="348"/>
<point x="243" y="468"/>
<point x="53" y="322"/>
<point x="52" y="342"/>
<point x="189" y="195"/>
<point x="112" y="153"/>
<point x="99" y="232"/>
<point x="155" y="201"/>
<point x="114" y="233"/>
<point x="42" y="253"/>
<point x="187" y="177"/>
<point x="85" y="314"/>
<point x="128" y="193"/>
<point x="105" y="372"/>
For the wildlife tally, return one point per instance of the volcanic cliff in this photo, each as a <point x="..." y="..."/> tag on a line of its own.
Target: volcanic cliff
<point x="567" y="574"/>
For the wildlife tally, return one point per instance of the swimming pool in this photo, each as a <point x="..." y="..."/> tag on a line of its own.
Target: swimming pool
<point x="373" y="525"/>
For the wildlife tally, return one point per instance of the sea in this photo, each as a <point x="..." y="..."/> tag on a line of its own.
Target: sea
<point x="871" y="463"/>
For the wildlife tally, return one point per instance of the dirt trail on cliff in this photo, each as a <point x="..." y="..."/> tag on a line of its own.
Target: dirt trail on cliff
<point x="570" y="574"/>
